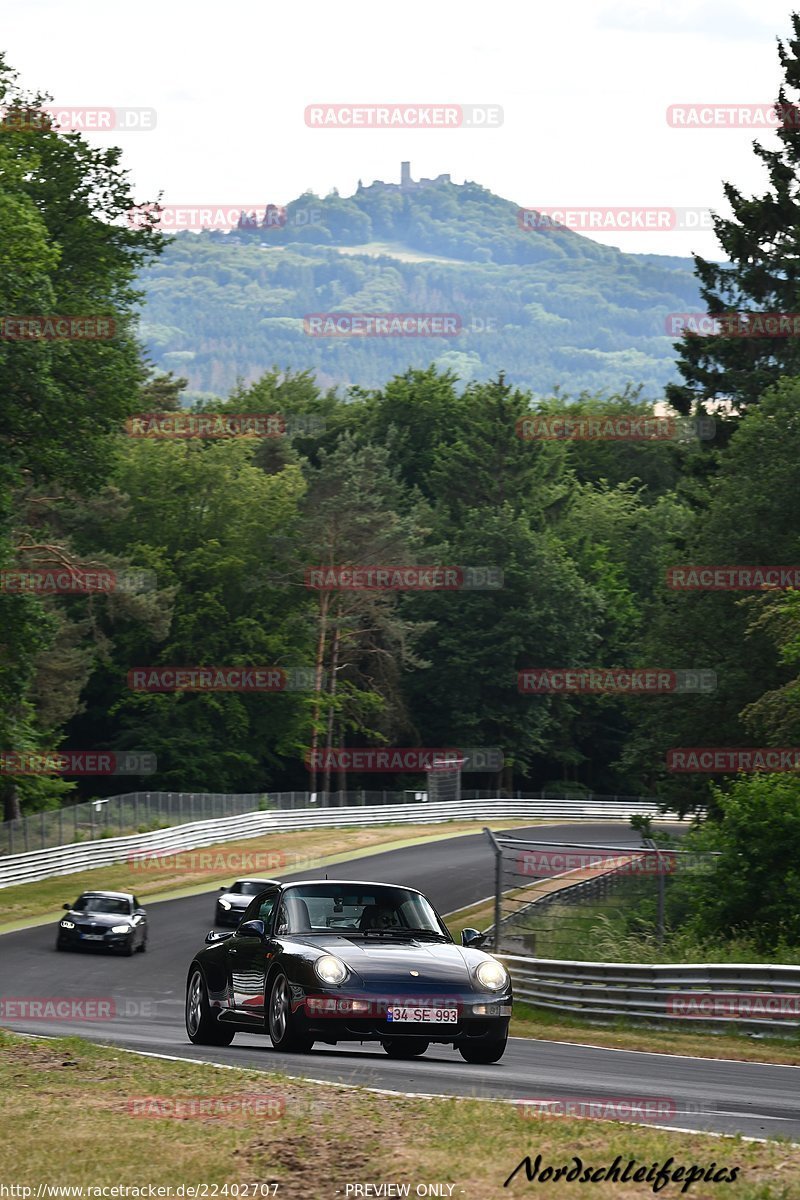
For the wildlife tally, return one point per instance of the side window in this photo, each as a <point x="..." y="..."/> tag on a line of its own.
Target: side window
<point x="265" y="908"/>
<point x="260" y="908"/>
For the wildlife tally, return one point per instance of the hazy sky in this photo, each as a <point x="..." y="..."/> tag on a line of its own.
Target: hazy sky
<point x="584" y="89"/>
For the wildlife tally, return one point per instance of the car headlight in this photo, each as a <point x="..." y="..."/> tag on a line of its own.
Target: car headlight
<point x="492" y="975"/>
<point x="67" y="924"/>
<point x="330" y="969"/>
<point x="224" y="903"/>
<point x="120" y="928"/>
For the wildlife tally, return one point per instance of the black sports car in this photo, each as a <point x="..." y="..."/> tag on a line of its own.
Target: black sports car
<point x="332" y="961"/>
<point x="233" y="900"/>
<point x="109" y="920"/>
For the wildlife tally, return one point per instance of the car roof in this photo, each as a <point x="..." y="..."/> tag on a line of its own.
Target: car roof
<point x="110" y="895"/>
<point x="266" y="882"/>
<point x="352" y="883"/>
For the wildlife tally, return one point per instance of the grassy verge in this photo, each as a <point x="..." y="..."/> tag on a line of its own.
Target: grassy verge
<point x="274" y="854"/>
<point x="72" y="1114"/>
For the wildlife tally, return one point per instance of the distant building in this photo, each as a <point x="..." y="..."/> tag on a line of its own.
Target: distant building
<point x="406" y="184"/>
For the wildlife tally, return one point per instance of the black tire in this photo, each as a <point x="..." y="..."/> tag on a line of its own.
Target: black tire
<point x="142" y="946"/>
<point x="281" y="1025"/>
<point x="127" y="949"/>
<point x="60" y="946"/>
<point x="484" y="1052"/>
<point x="398" y="1048"/>
<point x="202" y="1026"/>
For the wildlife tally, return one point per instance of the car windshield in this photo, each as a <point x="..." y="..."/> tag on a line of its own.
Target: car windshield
<point x="247" y="887"/>
<point x="103" y="904"/>
<point x="369" y="910"/>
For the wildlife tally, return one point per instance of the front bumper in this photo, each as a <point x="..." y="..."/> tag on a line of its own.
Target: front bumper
<point x="75" y="939"/>
<point x="328" y="1017"/>
<point x="228" y="917"/>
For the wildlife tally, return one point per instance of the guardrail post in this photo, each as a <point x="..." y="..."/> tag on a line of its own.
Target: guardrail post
<point x="498" y="885"/>
<point x="661" y="890"/>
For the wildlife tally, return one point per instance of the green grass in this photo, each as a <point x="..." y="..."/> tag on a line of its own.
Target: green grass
<point x="69" y="1114"/>
<point x="621" y="928"/>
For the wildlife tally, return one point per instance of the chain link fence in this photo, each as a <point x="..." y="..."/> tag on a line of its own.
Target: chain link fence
<point x="581" y="901"/>
<point x="141" y="812"/>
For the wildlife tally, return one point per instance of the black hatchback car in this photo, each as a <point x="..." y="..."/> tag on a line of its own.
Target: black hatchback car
<point x="336" y="960"/>
<point x="104" y="920"/>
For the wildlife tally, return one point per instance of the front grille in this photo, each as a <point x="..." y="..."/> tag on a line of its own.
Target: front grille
<point x="385" y="1029"/>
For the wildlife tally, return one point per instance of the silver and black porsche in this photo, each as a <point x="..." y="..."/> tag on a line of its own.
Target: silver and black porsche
<point x="337" y="960"/>
<point x="103" y="920"/>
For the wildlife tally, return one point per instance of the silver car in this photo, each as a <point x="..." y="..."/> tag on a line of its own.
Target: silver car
<point x="233" y="900"/>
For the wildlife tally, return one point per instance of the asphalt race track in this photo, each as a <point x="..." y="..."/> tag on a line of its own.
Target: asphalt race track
<point x="758" y="1100"/>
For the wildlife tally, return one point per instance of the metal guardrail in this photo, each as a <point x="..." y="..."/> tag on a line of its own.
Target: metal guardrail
<point x="750" y="995"/>
<point x="132" y="812"/>
<point x="82" y="856"/>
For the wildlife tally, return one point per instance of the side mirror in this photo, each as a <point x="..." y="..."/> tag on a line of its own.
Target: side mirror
<point x="223" y="888"/>
<point x="139" y="912"/>
<point x="473" y="937"/>
<point x="252" y="929"/>
<point x="66" y="907"/>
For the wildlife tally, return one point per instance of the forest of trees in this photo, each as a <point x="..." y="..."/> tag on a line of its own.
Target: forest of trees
<point x="546" y="307"/>
<point x="426" y="467"/>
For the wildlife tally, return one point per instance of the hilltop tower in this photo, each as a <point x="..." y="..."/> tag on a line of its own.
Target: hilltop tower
<point x="405" y="175"/>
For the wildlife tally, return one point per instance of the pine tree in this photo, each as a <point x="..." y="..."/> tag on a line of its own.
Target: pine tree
<point x="762" y="244"/>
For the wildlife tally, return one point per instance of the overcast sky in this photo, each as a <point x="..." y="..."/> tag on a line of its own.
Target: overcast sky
<point x="584" y="89"/>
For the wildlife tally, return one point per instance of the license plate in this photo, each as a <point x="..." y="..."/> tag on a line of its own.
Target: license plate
<point x="92" y="937"/>
<point x="426" y="1016"/>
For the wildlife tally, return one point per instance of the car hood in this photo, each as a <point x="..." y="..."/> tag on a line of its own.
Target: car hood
<point x="378" y="962"/>
<point x="104" y="920"/>
<point x="235" y="899"/>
